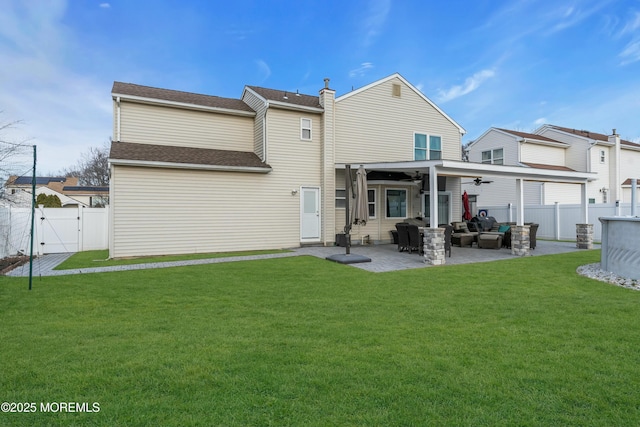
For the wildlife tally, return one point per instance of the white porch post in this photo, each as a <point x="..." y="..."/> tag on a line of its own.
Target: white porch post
<point x="433" y="197"/>
<point x="520" y="201"/>
<point x="584" y="231"/>
<point x="584" y="201"/>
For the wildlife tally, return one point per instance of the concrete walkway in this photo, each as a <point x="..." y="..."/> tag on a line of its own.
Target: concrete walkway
<point x="383" y="258"/>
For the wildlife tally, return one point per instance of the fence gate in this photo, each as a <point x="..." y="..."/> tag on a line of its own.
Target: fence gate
<point x="59" y="230"/>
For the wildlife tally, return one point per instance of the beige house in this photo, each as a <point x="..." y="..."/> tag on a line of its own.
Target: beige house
<point x="555" y="148"/>
<point x="267" y="170"/>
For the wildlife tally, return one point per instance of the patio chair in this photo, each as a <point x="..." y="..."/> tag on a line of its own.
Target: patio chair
<point x="403" y="236"/>
<point x="448" y="231"/>
<point x="415" y="240"/>
<point x="533" y="230"/>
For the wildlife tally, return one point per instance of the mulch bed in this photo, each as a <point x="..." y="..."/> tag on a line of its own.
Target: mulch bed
<point x="9" y="263"/>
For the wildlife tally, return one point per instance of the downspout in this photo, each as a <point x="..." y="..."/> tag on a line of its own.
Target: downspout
<point x="117" y="119"/>
<point x="264" y="135"/>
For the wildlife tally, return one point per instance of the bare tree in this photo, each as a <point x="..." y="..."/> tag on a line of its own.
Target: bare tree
<point x="13" y="154"/>
<point x="93" y="167"/>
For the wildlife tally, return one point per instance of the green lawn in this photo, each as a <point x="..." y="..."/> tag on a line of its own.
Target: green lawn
<point x="100" y="258"/>
<point x="302" y="341"/>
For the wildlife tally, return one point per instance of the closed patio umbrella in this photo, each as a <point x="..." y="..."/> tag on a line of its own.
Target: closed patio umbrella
<point x="361" y="202"/>
<point x="465" y="204"/>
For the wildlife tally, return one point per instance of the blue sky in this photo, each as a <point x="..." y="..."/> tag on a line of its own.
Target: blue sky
<point x="511" y="64"/>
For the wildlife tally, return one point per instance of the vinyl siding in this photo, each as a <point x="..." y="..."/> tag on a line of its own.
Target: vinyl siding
<point x="502" y="191"/>
<point x="561" y="193"/>
<point x="576" y="154"/>
<point x="536" y="153"/>
<point x="216" y="211"/>
<point x="151" y="124"/>
<point x="374" y="126"/>
<point x="207" y="212"/>
<point x="494" y="140"/>
<point x="258" y="122"/>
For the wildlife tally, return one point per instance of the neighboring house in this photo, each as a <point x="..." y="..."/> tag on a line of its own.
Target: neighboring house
<point x="555" y="148"/>
<point x="196" y="173"/>
<point x="614" y="160"/>
<point x="21" y="198"/>
<point x="66" y="188"/>
<point x="93" y="196"/>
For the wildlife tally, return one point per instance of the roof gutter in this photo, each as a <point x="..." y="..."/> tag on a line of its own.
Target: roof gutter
<point x="294" y="107"/>
<point x="172" y="165"/>
<point x="155" y="101"/>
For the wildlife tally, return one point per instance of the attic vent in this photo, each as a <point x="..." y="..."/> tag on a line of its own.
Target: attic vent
<point x="396" y="90"/>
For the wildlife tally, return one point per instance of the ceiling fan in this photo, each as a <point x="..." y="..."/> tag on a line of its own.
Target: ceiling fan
<point x="416" y="178"/>
<point x="478" y="181"/>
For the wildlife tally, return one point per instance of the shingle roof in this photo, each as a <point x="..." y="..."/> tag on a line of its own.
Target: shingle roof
<point x="628" y="181"/>
<point x="287" y="97"/>
<point x="178" y="96"/>
<point x="550" y="167"/>
<point x="593" y="135"/>
<point x="184" y="155"/>
<point x="531" y="136"/>
<point x="86" y="189"/>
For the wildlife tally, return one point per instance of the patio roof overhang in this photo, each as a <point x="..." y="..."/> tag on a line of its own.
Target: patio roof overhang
<point x="435" y="168"/>
<point x="468" y="170"/>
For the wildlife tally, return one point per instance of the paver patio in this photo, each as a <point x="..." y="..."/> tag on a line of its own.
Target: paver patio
<point x="383" y="258"/>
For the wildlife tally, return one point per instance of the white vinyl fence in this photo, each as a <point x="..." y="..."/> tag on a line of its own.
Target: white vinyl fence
<point x="56" y="230"/>
<point x="558" y="222"/>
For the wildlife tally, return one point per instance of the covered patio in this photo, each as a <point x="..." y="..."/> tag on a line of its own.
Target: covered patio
<point x="429" y="172"/>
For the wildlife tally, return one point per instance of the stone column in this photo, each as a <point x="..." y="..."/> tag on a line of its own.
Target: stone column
<point x="434" y="246"/>
<point x="584" y="236"/>
<point x="520" y="244"/>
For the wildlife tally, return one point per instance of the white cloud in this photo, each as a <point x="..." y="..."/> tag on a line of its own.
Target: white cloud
<point x="264" y="69"/>
<point x="632" y="25"/>
<point x="631" y="53"/>
<point x="61" y="112"/>
<point x="105" y="5"/>
<point x="375" y="19"/>
<point x="361" y="70"/>
<point x="470" y="84"/>
<point x="540" y="121"/>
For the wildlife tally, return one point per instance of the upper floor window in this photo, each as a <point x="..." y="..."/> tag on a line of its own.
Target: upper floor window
<point x="305" y="129"/>
<point x="494" y="157"/>
<point x="427" y="147"/>
<point x="602" y="156"/>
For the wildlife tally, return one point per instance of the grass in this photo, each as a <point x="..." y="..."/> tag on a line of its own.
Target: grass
<point x="100" y="258"/>
<point x="302" y="341"/>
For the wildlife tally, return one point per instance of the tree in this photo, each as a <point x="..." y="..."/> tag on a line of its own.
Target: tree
<point x="10" y="150"/>
<point x="48" y="200"/>
<point x="93" y="167"/>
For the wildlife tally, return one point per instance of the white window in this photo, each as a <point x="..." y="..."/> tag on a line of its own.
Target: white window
<point x="396" y="203"/>
<point x="602" y="156"/>
<point x="305" y="129"/>
<point x="340" y="198"/>
<point x="371" y="196"/>
<point x="494" y="157"/>
<point x="427" y="147"/>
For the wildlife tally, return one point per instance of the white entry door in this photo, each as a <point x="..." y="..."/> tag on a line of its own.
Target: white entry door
<point x="309" y="214"/>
